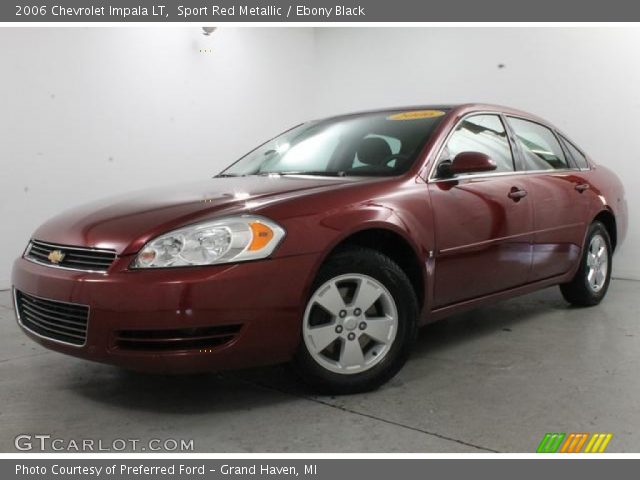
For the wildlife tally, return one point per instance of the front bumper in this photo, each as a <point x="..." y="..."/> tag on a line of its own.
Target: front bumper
<point x="262" y="300"/>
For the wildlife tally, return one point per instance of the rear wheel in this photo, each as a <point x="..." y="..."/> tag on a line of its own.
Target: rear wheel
<point x="589" y="286"/>
<point x="359" y="323"/>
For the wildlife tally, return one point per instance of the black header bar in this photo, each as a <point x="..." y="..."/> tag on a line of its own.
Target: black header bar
<point x="319" y="11"/>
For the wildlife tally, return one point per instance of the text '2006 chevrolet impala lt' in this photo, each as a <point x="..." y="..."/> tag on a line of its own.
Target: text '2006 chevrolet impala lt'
<point x="328" y="246"/>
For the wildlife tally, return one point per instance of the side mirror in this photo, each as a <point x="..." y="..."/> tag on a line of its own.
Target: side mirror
<point x="467" y="162"/>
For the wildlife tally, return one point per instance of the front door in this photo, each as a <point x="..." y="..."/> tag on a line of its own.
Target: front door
<point x="483" y="222"/>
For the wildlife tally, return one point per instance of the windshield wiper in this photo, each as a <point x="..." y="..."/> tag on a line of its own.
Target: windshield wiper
<point x="321" y="173"/>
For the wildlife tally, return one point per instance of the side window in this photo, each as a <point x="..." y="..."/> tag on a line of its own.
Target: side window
<point x="481" y="133"/>
<point x="578" y="156"/>
<point x="540" y="147"/>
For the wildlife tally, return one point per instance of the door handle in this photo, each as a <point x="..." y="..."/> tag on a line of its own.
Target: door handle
<point x="516" y="194"/>
<point x="582" y="187"/>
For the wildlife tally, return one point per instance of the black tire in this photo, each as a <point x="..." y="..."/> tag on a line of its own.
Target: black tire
<point x="364" y="261"/>
<point x="578" y="291"/>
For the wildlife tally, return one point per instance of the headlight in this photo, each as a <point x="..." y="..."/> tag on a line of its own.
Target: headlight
<point x="231" y="239"/>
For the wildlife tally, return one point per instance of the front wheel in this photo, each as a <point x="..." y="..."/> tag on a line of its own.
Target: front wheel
<point x="359" y="323"/>
<point x="590" y="283"/>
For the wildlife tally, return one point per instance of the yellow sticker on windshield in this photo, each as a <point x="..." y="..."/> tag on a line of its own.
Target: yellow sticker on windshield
<point x="416" y="115"/>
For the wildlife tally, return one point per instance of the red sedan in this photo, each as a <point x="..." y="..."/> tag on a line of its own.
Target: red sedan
<point x="327" y="246"/>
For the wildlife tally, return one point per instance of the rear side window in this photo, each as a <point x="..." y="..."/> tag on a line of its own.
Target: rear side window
<point x="578" y="156"/>
<point x="539" y="145"/>
<point x="481" y="133"/>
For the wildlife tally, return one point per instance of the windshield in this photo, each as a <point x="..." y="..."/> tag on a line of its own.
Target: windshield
<point x="376" y="144"/>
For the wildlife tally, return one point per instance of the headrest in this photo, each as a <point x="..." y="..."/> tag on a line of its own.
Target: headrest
<point x="373" y="151"/>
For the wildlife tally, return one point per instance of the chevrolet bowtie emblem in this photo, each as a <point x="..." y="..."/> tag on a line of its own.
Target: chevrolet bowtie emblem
<point x="55" y="256"/>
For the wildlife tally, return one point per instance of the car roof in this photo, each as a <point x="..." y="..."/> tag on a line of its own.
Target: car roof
<point x="455" y="109"/>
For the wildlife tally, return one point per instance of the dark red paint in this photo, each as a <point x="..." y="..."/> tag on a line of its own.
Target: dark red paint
<point x="472" y="162"/>
<point x="474" y="241"/>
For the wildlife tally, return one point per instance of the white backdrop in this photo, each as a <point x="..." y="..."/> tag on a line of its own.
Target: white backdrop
<point x="85" y="113"/>
<point x="584" y="80"/>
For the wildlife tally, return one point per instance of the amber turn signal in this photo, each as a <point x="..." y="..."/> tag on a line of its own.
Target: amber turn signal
<point x="262" y="235"/>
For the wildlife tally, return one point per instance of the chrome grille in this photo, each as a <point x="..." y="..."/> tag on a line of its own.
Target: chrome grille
<point x="76" y="258"/>
<point x="60" y="321"/>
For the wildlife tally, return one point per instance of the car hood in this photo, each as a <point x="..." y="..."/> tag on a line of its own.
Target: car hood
<point x="126" y="222"/>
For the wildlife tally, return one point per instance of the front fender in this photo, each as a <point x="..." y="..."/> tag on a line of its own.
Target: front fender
<point x="319" y="227"/>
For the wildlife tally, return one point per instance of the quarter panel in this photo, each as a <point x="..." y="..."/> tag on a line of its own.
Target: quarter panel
<point x="607" y="193"/>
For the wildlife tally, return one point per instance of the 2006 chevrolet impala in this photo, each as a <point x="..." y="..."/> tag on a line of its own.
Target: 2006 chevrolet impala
<point x="327" y="246"/>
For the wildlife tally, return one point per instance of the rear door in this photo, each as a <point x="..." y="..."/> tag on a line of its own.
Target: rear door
<point x="556" y="191"/>
<point x="483" y="222"/>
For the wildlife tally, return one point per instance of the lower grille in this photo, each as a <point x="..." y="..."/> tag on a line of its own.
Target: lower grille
<point x="179" y="339"/>
<point x="76" y="258"/>
<point x="60" y="321"/>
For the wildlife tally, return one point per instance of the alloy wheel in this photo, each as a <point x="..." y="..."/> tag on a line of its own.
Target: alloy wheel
<point x="350" y="323"/>
<point x="597" y="263"/>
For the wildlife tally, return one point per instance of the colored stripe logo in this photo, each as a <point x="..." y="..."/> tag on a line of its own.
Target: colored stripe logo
<point x="550" y="443"/>
<point x="598" y="443"/>
<point x="574" y="443"/>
